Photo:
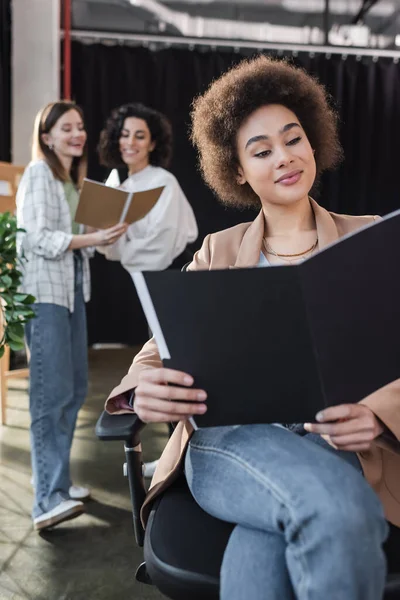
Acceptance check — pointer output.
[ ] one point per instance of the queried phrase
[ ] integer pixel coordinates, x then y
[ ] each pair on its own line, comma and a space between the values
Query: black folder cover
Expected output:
278, 344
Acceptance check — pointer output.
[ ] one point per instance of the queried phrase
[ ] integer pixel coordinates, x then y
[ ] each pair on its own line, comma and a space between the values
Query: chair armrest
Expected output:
127, 428
118, 427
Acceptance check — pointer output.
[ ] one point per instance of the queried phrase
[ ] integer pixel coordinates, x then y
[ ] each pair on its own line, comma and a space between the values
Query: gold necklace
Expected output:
271, 251
288, 257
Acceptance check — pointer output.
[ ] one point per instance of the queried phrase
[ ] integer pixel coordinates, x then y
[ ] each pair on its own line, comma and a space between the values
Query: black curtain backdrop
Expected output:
5, 80
367, 94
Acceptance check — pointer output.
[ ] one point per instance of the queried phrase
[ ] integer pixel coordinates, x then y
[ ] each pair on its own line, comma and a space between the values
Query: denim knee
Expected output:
356, 515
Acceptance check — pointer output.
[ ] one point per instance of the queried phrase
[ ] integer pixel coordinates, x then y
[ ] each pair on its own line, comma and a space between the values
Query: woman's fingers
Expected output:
113, 240
341, 427
112, 234
117, 229
171, 392
165, 376
146, 408
339, 411
347, 424
351, 439
156, 400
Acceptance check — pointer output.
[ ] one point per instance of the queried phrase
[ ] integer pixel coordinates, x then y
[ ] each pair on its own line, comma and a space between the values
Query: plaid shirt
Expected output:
43, 211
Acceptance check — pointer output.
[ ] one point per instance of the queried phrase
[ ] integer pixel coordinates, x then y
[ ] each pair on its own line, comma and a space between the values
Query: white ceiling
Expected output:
381, 8
296, 21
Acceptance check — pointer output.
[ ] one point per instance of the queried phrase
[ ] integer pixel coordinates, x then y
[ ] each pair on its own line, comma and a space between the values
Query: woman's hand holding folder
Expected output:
97, 237
351, 427
106, 237
158, 401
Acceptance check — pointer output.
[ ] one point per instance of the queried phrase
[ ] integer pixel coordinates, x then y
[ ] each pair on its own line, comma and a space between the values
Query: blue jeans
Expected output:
309, 526
57, 341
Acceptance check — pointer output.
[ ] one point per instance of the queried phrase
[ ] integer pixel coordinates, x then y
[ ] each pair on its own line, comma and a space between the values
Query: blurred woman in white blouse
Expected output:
140, 138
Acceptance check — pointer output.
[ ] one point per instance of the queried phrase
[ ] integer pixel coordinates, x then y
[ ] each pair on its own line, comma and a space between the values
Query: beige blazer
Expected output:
240, 246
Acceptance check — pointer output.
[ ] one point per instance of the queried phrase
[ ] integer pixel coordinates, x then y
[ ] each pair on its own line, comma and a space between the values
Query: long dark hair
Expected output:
44, 122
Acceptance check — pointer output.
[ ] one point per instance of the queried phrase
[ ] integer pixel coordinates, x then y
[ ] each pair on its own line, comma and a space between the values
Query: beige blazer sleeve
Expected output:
385, 404
148, 357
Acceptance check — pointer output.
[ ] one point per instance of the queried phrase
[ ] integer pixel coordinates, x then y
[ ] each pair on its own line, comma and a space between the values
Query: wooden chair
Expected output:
5, 376
10, 176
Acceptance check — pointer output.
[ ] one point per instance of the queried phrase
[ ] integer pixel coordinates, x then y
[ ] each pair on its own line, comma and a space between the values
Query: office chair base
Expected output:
142, 575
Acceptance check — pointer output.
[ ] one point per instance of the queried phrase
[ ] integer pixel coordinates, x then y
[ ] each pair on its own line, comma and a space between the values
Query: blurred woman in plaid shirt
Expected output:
56, 272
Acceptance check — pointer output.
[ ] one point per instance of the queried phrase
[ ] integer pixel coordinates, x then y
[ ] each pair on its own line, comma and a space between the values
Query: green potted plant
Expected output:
16, 308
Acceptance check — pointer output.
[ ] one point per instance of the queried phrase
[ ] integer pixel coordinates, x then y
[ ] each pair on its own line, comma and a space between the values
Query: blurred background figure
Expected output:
56, 272
137, 141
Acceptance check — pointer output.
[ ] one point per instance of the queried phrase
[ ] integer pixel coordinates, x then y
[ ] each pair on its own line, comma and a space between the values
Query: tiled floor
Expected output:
94, 556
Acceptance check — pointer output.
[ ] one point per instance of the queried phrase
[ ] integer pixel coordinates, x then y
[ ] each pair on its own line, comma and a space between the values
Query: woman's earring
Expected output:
50, 146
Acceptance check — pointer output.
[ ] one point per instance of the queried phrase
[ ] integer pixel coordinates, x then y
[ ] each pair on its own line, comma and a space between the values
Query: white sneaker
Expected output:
149, 468
76, 492
67, 509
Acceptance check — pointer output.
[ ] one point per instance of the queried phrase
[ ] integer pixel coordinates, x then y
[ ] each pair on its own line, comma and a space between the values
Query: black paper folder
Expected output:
278, 344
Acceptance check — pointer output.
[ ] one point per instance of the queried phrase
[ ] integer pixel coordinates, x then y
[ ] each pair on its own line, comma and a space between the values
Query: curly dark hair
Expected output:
219, 112
160, 130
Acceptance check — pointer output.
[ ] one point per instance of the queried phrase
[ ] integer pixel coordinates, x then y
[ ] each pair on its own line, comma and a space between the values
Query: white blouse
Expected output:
152, 243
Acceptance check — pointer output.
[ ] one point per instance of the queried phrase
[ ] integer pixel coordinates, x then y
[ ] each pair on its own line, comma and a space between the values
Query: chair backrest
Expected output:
392, 550
10, 176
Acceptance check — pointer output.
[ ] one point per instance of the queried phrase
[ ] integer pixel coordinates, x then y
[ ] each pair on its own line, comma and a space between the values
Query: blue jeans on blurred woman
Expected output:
57, 341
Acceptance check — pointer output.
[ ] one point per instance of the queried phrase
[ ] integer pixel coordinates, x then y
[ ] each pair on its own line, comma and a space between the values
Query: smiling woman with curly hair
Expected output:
139, 139
160, 132
219, 113
308, 524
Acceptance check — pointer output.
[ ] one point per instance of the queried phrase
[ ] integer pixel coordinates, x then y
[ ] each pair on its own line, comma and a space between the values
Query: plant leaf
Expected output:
16, 345
15, 331
15, 306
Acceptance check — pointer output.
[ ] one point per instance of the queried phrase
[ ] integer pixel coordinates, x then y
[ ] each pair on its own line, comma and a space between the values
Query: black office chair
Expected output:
179, 568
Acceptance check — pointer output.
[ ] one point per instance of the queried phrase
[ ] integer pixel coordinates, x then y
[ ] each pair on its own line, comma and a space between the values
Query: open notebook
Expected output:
281, 343
101, 206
